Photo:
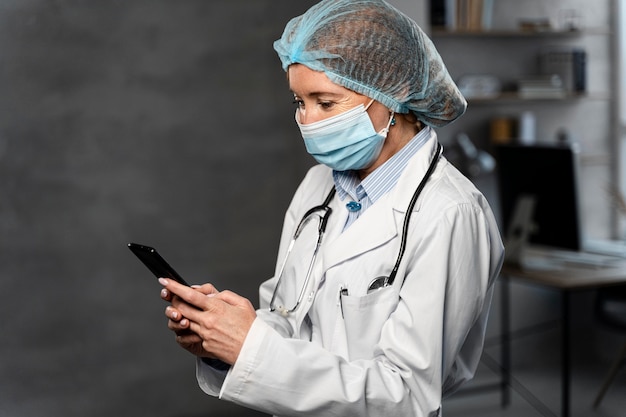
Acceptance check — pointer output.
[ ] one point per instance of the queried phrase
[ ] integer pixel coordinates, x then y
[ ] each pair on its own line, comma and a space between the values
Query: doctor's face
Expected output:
318, 98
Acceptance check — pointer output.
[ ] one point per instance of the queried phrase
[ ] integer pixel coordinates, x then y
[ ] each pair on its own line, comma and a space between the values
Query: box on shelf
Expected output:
461, 15
569, 63
541, 86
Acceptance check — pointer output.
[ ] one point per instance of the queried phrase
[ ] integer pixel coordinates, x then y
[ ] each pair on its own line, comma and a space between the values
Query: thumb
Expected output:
206, 289
234, 299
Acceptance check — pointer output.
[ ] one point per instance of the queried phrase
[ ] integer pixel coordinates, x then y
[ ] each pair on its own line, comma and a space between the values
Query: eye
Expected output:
326, 105
299, 103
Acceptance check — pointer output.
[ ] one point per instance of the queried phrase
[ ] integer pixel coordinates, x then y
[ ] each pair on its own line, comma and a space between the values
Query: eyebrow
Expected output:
320, 93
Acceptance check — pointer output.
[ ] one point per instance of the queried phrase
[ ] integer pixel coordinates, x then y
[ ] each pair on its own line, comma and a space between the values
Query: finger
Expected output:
185, 311
181, 326
234, 299
188, 294
173, 314
188, 338
166, 295
206, 289
178, 326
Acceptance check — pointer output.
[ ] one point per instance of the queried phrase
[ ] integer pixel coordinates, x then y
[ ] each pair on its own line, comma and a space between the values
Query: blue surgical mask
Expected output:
347, 141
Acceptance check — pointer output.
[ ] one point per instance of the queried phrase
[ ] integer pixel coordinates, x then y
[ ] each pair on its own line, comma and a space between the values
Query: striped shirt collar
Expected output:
383, 178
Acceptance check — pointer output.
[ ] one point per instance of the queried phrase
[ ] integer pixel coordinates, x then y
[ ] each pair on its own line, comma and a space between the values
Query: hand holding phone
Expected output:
155, 262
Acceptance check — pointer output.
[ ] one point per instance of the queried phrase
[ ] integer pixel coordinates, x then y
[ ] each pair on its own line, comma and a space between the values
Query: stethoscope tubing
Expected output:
409, 211
379, 282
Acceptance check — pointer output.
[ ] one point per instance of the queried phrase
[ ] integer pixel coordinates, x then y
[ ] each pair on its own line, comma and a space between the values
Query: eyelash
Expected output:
326, 105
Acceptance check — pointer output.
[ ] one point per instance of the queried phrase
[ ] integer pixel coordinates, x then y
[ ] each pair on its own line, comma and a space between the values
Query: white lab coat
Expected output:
396, 351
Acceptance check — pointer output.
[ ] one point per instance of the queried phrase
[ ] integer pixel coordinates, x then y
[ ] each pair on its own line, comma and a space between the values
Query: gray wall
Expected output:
163, 122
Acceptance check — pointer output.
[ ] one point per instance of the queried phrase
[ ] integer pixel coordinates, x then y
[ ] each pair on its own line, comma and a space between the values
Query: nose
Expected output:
311, 116
301, 116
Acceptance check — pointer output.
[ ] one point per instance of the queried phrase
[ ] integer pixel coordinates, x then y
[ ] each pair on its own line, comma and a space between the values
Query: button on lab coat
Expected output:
396, 351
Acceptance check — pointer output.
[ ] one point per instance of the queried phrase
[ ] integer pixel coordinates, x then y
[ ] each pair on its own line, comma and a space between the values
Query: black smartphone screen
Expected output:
155, 262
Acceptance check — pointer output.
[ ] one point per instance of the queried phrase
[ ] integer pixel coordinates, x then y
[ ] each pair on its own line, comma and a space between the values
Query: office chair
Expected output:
610, 309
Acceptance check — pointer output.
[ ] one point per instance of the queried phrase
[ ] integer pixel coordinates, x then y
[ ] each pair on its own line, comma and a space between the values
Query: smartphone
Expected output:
155, 262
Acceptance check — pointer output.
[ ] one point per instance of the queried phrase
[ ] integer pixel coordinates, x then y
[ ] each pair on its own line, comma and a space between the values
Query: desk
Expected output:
566, 279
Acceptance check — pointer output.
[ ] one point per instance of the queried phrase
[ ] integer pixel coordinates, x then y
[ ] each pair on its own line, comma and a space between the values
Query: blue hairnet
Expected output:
371, 48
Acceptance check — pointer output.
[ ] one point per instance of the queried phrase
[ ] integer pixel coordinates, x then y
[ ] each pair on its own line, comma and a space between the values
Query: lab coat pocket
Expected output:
364, 317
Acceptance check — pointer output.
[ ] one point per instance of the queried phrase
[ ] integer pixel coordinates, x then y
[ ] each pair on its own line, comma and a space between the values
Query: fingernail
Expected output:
174, 315
163, 281
163, 293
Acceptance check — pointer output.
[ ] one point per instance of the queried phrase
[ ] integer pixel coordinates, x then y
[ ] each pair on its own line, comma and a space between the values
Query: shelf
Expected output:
513, 97
512, 33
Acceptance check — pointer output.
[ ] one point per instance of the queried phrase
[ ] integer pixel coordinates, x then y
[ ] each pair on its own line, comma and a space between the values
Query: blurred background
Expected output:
170, 123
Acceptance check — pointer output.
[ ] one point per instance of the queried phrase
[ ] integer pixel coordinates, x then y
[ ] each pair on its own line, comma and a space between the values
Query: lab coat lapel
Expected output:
361, 236
383, 220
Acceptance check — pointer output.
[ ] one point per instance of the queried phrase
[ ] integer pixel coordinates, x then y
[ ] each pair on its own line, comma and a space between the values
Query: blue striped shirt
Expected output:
380, 181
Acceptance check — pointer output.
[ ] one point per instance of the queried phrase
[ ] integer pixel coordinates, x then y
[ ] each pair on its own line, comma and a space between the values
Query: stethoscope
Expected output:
323, 212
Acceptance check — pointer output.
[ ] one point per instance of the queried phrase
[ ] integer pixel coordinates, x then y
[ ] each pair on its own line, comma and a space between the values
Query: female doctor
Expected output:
388, 254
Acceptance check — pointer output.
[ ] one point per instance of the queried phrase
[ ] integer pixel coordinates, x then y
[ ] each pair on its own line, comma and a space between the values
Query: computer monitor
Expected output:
548, 174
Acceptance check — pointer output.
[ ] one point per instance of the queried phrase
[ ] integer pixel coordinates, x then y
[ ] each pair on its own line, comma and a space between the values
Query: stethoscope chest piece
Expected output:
377, 284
